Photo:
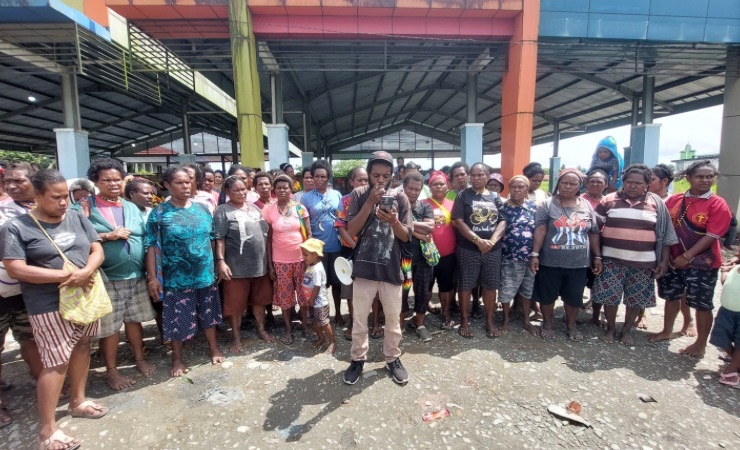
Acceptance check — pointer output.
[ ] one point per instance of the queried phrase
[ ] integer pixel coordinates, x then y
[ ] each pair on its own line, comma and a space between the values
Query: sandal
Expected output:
447, 325
58, 436
731, 379
81, 410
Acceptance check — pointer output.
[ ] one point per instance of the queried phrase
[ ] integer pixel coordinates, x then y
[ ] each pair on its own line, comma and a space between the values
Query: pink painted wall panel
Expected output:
340, 27
374, 27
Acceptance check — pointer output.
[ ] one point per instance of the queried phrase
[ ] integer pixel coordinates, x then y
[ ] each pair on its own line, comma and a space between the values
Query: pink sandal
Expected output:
731, 379
59, 436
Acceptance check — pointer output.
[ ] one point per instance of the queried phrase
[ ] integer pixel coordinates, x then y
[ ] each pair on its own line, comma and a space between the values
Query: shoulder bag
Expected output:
80, 305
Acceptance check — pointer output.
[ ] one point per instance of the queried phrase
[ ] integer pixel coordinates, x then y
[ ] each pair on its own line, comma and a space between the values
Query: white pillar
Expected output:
277, 143
471, 143
73, 152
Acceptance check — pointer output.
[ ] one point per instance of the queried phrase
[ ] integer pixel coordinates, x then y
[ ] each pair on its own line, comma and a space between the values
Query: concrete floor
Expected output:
496, 390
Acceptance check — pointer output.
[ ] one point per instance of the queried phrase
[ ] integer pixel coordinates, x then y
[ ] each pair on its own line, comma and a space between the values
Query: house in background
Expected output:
688, 156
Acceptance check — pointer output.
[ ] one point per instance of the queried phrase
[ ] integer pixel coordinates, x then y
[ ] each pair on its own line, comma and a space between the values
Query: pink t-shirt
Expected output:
286, 232
444, 232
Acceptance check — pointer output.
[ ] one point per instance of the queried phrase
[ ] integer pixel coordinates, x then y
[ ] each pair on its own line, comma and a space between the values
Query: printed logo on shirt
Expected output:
700, 218
64, 239
484, 214
571, 234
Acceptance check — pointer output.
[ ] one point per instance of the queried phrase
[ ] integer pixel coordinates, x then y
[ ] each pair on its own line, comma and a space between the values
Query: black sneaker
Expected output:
400, 376
353, 372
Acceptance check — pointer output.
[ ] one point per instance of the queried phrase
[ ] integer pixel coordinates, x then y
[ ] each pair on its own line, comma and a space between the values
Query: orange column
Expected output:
517, 105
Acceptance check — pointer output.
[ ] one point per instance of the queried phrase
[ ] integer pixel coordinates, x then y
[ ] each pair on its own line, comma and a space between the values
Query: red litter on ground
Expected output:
428, 417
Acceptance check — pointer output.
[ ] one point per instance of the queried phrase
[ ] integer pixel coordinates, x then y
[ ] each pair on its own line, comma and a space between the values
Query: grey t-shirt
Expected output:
74, 235
378, 256
244, 232
566, 244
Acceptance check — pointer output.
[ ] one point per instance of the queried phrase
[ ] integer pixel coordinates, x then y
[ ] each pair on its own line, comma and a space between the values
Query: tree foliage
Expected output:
342, 167
42, 161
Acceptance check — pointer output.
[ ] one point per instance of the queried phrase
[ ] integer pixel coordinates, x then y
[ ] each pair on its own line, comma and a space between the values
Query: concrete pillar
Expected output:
307, 125
555, 159
645, 138
246, 84
645, 144
729, 156
73, 148
73, 152
277, 144
306, 159
471, 143
518, 88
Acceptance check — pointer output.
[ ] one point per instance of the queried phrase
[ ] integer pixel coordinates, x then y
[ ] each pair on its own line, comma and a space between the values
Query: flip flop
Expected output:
447, 325
81, 410
731, 379
58, 436
468, 336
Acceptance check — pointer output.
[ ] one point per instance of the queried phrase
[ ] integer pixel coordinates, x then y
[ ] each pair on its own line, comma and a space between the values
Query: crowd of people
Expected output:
236, 246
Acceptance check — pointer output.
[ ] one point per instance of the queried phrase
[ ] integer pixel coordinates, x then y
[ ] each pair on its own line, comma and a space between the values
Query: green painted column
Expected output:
246, 84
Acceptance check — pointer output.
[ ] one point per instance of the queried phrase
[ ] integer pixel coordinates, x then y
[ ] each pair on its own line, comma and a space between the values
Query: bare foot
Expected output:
217, 356
236, 347
627, 339
504, 328
145, 367
532, 329
595, 321
688, 329
662, 336
608, 336
547, 334
695, 350
331, 349
641, 323
318, 342
116, 381
178, 369
265, 336
492, 332
339, 320
348, 334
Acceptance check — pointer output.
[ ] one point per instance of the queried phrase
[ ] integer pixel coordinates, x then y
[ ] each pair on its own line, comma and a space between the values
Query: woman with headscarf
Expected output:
566, 244
607, 158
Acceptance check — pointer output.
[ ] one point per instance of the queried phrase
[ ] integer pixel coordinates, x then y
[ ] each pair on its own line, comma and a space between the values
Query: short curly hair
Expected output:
97, 165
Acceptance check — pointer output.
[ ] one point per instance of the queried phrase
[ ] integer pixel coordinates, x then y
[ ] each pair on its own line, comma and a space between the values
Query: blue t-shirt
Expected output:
322, 212
186, 234
519, 230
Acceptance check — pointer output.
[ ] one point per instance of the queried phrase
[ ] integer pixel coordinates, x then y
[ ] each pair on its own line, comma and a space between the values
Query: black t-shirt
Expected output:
480, 212
420, 211
378, 255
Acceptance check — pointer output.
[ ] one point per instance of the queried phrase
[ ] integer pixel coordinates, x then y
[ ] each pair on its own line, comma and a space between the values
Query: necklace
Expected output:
110, 200
684, 209
285, 212
594, 198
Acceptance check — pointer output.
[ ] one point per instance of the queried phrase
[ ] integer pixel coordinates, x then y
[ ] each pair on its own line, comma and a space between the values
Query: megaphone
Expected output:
343, 269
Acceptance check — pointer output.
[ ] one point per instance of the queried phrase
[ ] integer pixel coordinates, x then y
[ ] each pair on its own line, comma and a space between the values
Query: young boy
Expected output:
726, 330
314, 288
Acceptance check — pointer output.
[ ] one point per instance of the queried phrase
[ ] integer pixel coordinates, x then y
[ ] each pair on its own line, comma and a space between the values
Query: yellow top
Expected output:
730, 298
